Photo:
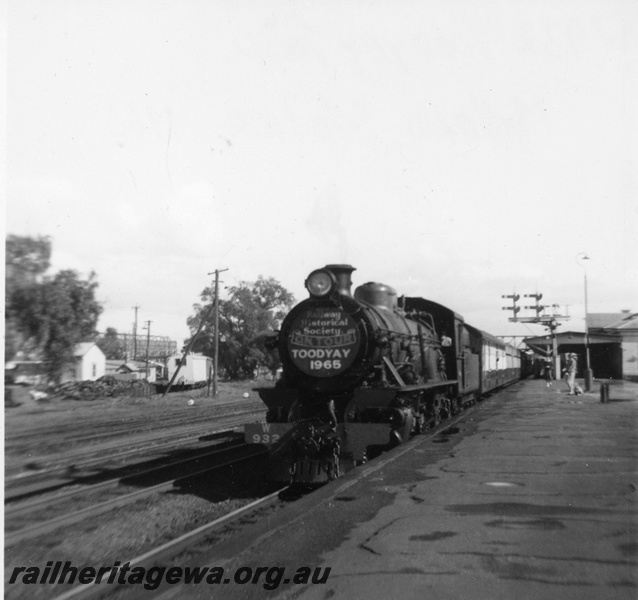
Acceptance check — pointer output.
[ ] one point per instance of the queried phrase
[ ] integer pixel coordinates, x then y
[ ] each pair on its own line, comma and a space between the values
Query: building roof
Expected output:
569, 338
606, 320
629, 322
83, 348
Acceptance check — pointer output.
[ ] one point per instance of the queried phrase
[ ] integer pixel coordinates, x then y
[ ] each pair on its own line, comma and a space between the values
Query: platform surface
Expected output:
532, 496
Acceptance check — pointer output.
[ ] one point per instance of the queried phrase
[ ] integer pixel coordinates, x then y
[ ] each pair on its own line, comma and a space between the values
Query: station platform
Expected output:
533, 495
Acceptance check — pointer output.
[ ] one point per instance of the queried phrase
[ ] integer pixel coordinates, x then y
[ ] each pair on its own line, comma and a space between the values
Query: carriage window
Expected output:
465, 338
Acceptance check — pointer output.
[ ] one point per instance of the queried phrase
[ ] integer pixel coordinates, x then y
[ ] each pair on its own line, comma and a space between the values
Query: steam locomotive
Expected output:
363, 372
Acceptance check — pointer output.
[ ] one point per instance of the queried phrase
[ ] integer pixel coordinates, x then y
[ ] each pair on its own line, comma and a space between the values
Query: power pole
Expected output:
135, 334
202, 322
589, 374
148, 341
216, 338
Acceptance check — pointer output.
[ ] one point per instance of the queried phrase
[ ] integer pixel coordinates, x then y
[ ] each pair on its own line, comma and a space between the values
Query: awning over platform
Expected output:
605, 351
571, 338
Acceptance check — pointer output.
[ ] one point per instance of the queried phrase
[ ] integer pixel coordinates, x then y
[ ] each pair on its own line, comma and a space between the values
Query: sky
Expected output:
455, 150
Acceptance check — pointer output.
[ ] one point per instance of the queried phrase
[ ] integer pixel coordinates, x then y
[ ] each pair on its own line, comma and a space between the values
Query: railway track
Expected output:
174, 547
72, 462
43, 453
16, 508
107, 430
253, 522
67, 471
224, 535
158, 414
227, 455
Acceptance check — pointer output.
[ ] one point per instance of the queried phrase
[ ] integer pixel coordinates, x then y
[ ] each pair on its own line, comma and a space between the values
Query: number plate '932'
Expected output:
266, 433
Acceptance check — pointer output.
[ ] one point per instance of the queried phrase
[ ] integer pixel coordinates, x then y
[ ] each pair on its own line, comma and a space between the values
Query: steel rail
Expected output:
183, 437
136, 439
21, 535
134, 423
106, 431
173, 547
33, 505
35, 489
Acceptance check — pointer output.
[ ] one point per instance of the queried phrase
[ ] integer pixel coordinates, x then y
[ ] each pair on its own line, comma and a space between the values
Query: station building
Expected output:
613, 345
624, 326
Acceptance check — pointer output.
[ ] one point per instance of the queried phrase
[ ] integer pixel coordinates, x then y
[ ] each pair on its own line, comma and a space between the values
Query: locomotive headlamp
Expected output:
321, 283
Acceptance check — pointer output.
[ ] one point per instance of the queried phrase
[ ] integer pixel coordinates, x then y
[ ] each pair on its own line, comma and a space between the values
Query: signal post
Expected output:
551, 322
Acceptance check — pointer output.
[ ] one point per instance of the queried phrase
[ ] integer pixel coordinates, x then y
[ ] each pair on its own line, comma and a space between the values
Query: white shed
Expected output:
195, 370
89, 364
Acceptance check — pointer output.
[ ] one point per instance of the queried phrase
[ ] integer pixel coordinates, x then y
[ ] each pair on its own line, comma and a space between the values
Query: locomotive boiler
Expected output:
362, 373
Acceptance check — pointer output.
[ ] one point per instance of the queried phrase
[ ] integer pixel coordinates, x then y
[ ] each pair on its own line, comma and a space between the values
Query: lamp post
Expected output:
589, 375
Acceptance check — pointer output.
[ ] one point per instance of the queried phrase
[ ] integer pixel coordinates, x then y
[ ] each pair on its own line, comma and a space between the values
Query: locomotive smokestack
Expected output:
344, 282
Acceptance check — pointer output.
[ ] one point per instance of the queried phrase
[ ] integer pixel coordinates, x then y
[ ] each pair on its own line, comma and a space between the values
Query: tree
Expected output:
253, 311
111, 345
50, 315
26, 261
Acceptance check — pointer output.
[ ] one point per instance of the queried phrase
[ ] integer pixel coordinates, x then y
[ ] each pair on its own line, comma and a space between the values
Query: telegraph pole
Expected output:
589, 374
216, 338
148, 341
135, 334
202, 322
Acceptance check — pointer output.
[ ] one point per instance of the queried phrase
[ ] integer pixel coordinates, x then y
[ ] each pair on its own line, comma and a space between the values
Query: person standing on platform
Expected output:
570, 375
547, 371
